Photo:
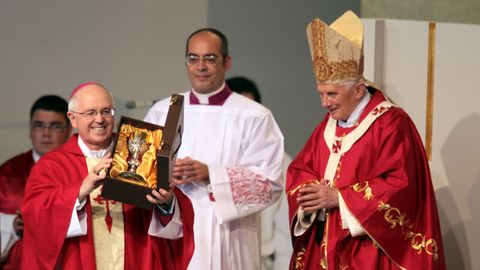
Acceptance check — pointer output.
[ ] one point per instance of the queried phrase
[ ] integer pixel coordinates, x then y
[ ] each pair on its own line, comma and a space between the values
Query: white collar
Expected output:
94, 153
203, 98
355, 115
36, 156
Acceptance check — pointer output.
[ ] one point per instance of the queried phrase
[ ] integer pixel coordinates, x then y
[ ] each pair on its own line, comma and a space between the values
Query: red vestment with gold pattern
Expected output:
51, 192
384, 178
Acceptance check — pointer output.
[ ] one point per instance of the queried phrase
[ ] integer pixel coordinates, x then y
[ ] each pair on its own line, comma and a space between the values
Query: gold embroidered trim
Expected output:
291, 192
342, 265
337, 175
323, 249
364, 187
322, 68
417, 240
430, 89
299, 259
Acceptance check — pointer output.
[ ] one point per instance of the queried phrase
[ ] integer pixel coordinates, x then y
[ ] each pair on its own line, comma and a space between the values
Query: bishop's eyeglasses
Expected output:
91, 114
209, 59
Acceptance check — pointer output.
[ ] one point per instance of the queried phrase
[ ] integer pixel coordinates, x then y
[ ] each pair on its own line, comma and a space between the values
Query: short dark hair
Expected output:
52, 103
243, 85
220, 35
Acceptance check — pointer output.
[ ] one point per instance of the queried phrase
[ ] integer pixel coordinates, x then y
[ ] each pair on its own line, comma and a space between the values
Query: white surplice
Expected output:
243, 148
276, 243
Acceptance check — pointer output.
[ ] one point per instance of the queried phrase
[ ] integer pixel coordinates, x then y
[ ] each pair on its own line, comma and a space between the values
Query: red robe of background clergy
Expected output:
50, 196
385, 182
13, 175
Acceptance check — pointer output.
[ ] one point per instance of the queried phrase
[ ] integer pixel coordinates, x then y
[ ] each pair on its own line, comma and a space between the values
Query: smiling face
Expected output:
96, 130
340, 100
48, 130
206, 77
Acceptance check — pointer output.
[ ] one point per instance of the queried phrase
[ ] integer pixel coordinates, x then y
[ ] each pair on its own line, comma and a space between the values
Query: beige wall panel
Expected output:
369, 46
456, 119
456, 151
405, 67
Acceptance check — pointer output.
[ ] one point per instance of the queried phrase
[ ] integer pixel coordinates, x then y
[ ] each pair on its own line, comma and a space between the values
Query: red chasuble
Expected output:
13, 175
50, 196
384, 179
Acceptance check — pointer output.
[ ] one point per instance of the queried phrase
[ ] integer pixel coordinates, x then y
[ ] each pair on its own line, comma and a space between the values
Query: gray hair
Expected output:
350, 84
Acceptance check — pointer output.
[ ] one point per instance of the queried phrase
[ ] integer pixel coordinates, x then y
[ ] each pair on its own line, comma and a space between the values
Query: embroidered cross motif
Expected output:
108, 219
328, 182
337, 146
379, 110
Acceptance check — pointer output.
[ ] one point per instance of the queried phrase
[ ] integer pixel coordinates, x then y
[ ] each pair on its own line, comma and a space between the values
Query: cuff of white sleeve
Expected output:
348, 219
8, 235
78, 221
172, 230
303, 222
80, 205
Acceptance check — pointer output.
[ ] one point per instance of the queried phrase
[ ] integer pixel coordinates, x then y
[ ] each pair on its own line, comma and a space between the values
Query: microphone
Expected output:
137, 104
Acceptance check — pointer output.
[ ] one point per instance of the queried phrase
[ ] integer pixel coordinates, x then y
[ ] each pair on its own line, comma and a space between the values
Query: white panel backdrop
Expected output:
455, 163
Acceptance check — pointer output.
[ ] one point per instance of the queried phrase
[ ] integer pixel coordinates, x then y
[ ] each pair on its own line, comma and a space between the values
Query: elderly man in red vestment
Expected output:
49, 129
68, 225
360, 192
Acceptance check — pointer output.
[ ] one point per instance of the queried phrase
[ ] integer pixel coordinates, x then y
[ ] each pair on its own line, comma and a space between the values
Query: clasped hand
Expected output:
316, 196
186, 170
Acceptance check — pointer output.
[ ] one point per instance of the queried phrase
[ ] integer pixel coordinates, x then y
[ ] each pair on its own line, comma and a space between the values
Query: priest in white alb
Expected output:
229, 165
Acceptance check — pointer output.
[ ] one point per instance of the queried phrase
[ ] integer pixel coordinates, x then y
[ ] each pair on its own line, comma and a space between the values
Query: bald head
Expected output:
90, 110
87, 91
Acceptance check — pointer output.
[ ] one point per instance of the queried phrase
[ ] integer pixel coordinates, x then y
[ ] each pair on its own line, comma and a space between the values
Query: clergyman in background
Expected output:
49, 128
276, 244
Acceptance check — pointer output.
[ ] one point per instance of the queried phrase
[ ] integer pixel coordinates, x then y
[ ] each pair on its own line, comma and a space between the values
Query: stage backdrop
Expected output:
136, 48
431, 70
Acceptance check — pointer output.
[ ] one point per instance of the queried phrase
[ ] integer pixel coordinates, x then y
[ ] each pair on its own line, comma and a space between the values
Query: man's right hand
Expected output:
95, 177
161, 196
316, 196
18, 224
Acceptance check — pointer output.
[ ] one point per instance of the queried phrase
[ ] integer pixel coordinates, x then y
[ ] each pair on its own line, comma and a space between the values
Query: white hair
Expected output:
349, 85
72, 103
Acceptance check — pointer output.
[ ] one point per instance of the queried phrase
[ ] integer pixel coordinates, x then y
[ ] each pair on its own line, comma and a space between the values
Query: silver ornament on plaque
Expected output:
137, 146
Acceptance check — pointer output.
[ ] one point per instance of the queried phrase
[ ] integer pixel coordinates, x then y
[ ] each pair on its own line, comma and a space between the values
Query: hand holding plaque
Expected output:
144, 157
136, 147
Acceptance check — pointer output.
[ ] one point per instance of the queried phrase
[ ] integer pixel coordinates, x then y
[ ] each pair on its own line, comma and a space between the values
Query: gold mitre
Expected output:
337, 50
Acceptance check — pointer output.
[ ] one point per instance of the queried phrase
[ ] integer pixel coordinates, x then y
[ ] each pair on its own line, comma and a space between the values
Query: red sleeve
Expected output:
392, 194
176, 254
306, 167
13, 175
187, 243
51, 191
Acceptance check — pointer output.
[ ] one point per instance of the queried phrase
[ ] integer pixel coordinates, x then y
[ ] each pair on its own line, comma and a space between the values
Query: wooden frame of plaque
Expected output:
144, 156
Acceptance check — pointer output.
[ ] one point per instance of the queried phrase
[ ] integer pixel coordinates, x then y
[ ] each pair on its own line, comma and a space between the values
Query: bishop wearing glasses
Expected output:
68, 225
